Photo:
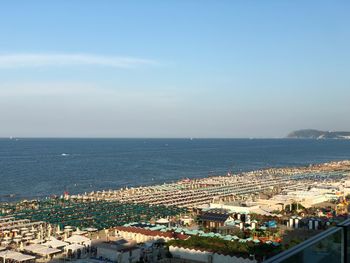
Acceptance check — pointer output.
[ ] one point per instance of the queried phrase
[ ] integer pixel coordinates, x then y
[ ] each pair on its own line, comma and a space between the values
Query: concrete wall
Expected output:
139, 238
135, 256
217, 258
107, 253
205, 256
184, 253
121, 257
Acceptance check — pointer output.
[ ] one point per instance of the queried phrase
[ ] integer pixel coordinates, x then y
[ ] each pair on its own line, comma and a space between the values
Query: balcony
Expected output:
330, 246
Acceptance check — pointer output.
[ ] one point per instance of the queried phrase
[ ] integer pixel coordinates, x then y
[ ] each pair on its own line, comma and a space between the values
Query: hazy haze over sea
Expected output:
31, 168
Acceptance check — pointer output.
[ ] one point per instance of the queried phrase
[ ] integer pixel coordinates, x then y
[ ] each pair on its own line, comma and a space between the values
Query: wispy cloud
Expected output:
51, 59
47, 89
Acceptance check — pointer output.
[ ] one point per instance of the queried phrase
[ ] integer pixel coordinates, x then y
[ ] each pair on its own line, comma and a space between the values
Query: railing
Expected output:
330, 246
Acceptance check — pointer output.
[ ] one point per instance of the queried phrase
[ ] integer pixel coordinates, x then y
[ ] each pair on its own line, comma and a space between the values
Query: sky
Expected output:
184, 68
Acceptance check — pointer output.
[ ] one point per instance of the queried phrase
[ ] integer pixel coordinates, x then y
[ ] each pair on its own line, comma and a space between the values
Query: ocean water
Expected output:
35, 168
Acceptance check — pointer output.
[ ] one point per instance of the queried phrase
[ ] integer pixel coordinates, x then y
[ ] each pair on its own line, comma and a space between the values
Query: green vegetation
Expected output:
221, 246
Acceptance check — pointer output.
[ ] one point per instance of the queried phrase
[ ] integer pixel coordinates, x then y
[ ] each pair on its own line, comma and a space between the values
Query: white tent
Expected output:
162, 221
37, 241
76, 239
15, 256
55, 243
91, 229
41, 250
79, 232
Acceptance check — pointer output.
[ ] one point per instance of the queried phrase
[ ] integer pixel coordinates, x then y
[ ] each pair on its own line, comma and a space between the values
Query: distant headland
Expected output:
316, 134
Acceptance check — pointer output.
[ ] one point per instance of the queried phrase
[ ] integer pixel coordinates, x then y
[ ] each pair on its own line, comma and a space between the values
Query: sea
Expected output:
38, 168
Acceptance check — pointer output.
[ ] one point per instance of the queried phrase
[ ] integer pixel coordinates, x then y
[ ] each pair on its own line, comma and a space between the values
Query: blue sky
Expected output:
173, 68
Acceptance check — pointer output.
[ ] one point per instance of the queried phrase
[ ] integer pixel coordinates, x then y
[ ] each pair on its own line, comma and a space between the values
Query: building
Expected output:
214, 218
142, 235
116, 252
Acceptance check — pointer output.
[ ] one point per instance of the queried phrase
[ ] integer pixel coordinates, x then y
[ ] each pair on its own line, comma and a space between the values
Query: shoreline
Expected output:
269, 171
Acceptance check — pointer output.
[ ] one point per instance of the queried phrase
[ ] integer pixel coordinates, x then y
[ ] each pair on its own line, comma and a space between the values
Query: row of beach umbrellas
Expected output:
98, 214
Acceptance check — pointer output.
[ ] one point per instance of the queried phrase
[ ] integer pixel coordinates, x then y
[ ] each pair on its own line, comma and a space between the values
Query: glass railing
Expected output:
330, 246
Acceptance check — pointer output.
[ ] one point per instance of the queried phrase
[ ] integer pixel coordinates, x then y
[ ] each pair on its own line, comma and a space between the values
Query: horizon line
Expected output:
122, 137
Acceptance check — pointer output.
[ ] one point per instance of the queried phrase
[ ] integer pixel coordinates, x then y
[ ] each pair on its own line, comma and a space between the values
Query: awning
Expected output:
41, 250
76, 239
16, 256
55, 243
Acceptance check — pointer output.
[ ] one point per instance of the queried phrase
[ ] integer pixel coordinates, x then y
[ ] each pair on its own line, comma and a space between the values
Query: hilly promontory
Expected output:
316, 134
